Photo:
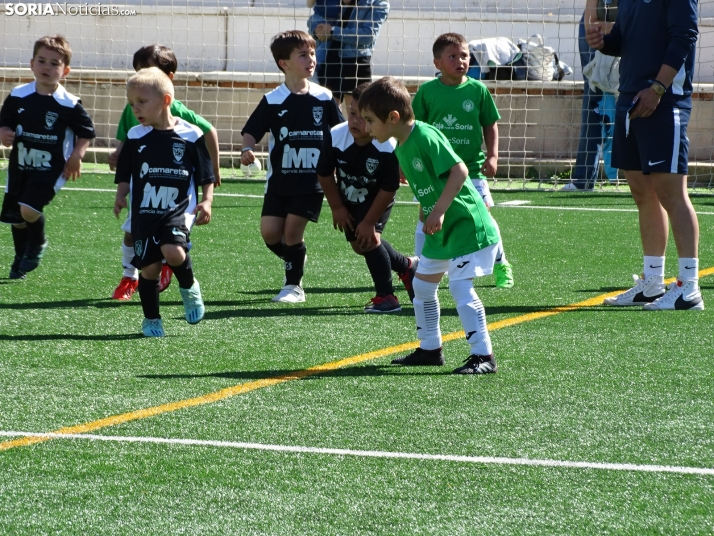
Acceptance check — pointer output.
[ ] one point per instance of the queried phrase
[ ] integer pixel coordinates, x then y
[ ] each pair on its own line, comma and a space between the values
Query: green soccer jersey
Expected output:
460, 113
426, 159
178, 109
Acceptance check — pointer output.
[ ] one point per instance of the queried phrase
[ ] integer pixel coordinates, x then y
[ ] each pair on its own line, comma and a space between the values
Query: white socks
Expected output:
472, 316
127, 254
426, 310
654, 266
688, 269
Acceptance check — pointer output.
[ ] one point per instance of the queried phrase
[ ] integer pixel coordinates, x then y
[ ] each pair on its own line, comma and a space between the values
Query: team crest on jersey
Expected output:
138, 248
179, 149
416, 163
50, 118
371, 165
317, 114
468, 105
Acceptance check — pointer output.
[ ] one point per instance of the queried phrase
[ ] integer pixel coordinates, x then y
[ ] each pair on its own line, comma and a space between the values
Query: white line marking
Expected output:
513, 203
378, 454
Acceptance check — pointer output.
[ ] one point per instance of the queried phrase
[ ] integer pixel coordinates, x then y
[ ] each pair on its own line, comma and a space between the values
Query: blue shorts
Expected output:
654, 144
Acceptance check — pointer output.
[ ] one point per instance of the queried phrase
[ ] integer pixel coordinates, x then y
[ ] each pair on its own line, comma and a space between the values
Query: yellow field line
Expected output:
312, 371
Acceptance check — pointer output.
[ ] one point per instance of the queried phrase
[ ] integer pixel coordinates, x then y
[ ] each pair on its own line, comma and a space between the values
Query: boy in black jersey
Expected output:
367, 177
297, 114
162, 162
49, 132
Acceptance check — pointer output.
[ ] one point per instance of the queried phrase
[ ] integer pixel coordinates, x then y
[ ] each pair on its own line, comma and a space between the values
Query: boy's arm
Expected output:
7, 136
212, 146
120, 199
341, 217
246, 156
74, 163
114, 157
490, 138
203, 209
365, 232
457, 177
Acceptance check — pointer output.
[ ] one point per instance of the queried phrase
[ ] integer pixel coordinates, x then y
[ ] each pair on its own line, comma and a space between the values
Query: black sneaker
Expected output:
408, 277
478, 364
32, 257
383, 304
421, 358
15, 272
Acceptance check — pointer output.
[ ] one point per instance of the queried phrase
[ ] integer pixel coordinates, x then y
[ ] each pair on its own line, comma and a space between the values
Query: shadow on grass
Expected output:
346, 372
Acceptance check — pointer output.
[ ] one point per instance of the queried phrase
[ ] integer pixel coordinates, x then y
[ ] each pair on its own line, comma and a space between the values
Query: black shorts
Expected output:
306, 206
147, 247
31, 193
359, 212
342, 76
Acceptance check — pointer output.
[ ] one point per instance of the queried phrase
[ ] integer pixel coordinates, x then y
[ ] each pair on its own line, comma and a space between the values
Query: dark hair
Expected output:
446, 40
56, 43
357, 92
283, 44
387, 95
155, 56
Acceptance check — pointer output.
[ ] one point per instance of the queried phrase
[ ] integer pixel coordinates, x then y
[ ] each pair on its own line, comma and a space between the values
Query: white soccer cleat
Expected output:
153, 327
645, 291
680, 296
290, 294
193, 303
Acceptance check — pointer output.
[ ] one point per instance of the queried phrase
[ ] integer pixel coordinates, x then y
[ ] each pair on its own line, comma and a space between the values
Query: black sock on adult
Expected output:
399, 262
380, 269
149, 295
294, 263
36, 231
184, 272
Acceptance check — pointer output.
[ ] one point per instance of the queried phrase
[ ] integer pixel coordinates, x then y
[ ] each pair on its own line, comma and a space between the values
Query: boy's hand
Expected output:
247, 157
490, 166
433, 223
114, 159
342, 219
203, 212
595, 38
72, 167
7, 137
217, 175
366, 235
119, 203
402, 177
323, 31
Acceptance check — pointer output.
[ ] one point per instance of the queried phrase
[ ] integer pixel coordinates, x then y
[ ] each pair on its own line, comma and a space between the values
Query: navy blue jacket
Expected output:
648, 34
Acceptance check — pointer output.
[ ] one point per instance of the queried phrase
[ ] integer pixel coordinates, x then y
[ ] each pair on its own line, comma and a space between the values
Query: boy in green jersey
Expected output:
464, 111
461, 237
165, 59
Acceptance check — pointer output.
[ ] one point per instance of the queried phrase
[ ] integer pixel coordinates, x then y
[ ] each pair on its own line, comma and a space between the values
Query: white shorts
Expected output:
476, 264
126, 227
484, 191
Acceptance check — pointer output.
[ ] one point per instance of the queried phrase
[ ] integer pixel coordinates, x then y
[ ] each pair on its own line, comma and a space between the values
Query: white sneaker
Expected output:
570, 187
680, 296
645, 291
290, 294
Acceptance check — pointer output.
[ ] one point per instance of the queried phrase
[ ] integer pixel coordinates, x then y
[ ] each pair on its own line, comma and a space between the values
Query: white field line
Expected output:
378, 454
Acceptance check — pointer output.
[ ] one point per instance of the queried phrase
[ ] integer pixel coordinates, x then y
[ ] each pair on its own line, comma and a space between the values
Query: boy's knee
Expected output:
462, 290
174, 255
424, 290
29, 215
128, 240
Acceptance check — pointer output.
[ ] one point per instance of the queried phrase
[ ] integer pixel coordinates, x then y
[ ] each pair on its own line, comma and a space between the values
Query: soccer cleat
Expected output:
165, 279
153, 327
503, 274
126, 288
383, 304
290, 294
32, 257
408, 277
15, 272
478, 364
421, 358
193, 303
680, 296
645, 291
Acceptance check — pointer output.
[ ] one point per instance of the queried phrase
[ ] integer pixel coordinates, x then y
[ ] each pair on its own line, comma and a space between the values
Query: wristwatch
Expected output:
658, 88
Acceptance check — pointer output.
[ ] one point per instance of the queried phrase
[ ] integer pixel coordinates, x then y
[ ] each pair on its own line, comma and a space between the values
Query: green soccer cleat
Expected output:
503, 274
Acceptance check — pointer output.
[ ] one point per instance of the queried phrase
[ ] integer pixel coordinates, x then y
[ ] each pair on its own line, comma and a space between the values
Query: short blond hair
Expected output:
152, 78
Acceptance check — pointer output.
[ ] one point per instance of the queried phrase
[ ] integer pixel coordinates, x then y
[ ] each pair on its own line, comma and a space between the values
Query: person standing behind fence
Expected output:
656, 41
595, 127
348, 62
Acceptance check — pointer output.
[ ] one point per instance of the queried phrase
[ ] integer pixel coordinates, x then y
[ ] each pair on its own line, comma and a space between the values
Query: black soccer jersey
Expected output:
45, 128
361, 170
164, 169
297, 125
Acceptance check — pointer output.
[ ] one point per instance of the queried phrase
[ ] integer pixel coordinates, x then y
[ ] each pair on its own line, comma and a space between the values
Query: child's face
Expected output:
48, 67
301, 63
355, 122
147, 105
379, 130
453, 62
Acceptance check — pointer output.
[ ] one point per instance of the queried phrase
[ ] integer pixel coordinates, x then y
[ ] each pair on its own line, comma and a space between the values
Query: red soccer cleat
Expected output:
126, 288
165, 279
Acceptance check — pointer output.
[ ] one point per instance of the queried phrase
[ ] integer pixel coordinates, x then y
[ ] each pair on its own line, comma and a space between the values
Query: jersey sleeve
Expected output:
419, 106
203, 172
8, 115
326, 164
82, 124
259, 121
180, 110
489, 113
123, 172
126, 122
389, 179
